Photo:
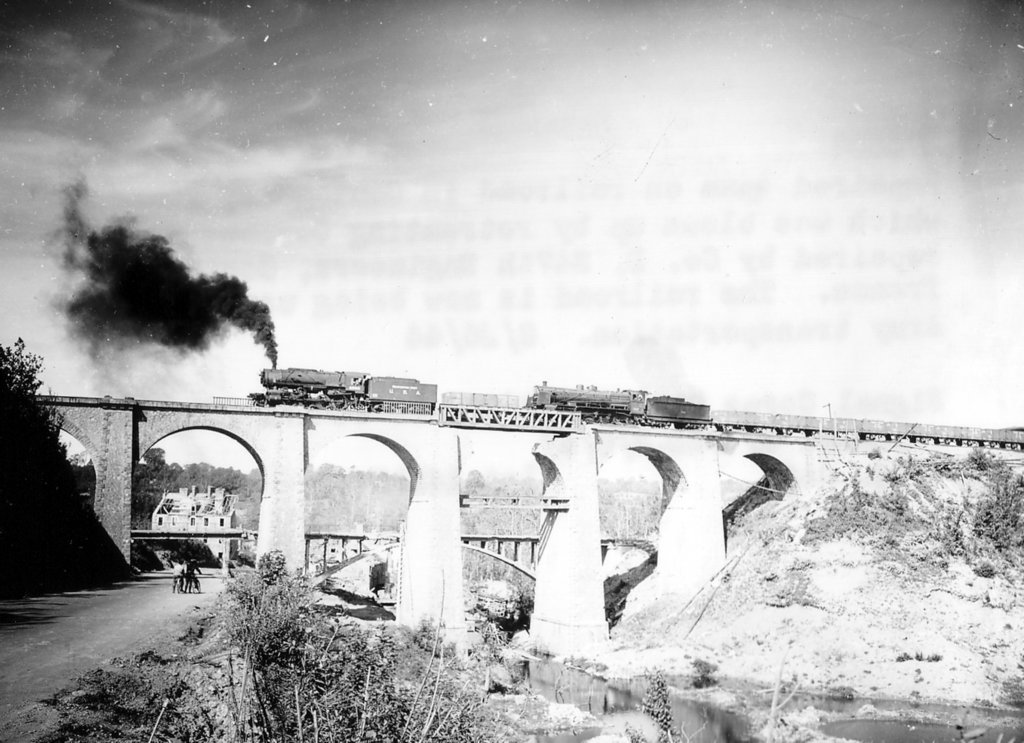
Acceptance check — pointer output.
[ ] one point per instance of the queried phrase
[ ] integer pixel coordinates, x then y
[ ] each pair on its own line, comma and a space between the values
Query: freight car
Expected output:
333, 390
637, 407
864, 429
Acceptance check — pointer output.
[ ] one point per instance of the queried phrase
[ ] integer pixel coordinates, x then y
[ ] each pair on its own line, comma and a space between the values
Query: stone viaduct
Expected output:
569, 598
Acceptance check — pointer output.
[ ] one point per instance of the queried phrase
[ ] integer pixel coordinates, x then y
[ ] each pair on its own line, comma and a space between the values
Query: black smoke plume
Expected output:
134, 288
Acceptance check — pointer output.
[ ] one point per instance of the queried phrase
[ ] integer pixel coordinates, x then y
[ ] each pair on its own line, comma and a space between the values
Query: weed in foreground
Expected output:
301, 676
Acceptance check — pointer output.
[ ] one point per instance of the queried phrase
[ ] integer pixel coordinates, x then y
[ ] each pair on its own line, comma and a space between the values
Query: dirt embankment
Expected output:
901, 579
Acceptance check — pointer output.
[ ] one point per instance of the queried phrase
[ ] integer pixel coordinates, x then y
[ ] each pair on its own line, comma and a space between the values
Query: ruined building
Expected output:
192, 511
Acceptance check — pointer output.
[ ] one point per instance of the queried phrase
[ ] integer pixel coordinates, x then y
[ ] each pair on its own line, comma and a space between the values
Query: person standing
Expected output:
191, 581
177, 577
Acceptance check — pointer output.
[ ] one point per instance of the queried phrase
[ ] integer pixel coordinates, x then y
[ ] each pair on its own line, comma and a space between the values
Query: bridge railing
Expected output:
509, 419
244, 402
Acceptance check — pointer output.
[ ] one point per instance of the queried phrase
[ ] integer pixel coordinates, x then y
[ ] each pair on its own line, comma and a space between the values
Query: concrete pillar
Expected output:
568, 613
113, 430
430, 561
691, 545
282, 510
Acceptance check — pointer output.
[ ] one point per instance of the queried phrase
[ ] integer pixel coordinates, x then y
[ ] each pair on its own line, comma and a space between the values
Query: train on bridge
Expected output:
550, 408
360, 391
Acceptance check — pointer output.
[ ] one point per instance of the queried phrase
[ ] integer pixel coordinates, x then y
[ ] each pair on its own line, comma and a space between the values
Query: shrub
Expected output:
1013, 692
855, 510
902, 657
272, 567
268, 622
1000, 515
980, 460
656, 705
703, 674
985, 569
949, 533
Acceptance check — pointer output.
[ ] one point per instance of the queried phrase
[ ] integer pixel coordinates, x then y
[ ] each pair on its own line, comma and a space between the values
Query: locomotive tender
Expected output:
637, 407
345, 391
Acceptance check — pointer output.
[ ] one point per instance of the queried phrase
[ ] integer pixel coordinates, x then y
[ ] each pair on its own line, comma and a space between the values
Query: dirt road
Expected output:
47, 641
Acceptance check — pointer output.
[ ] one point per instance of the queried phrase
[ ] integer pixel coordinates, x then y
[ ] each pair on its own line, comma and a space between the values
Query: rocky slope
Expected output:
901, 579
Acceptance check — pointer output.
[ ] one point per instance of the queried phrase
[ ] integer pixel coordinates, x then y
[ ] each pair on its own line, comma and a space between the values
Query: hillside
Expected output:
899, 579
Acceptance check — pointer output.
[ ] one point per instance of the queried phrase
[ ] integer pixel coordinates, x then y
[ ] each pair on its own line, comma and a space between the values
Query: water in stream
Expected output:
617, 703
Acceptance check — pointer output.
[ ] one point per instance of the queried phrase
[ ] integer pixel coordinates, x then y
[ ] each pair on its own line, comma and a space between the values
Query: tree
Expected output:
47, 539
151, 479
33, 460
85, 474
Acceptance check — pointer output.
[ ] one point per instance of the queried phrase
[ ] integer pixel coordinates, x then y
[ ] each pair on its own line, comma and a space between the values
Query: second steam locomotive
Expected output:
338, 390
638, 407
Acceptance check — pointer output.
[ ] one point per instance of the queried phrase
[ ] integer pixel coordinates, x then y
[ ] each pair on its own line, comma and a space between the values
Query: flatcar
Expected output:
637, 407
338, 390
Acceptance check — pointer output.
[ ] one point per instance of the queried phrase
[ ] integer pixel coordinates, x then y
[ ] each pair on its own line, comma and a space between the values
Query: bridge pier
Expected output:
568, 613
282, 510
430, 561
109, 433
691, 543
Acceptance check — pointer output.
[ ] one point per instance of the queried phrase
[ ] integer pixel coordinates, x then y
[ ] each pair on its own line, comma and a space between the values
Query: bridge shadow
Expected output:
48, 607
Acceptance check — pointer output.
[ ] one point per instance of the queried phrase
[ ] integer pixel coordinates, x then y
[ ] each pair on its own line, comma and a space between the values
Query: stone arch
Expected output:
777, 481
667, 468
780, 477
406, 457
71, 427
155, 439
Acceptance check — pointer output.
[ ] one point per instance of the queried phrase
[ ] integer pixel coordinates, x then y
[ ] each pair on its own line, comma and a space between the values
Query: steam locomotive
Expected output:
345, 391
637, 407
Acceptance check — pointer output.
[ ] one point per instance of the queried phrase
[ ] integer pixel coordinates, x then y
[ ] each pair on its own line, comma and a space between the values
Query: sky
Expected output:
783, 206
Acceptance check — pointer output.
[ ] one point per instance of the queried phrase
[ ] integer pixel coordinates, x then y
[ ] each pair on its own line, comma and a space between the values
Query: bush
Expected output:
985, 569
272, 567
703, 674
657, 706
855, 510
1000, 515
268, 622
980, 460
